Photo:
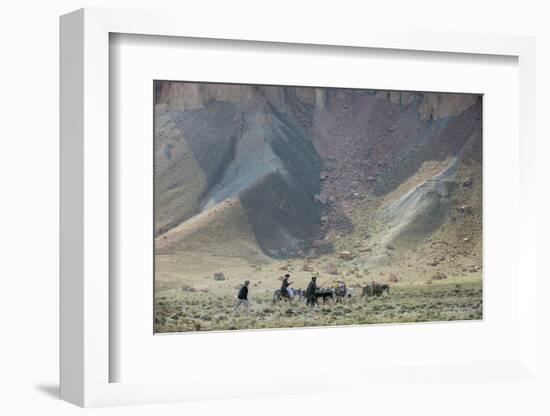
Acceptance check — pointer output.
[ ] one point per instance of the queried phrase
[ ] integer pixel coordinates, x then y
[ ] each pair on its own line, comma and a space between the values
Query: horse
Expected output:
324, 294
296, 293
299, 293
340, 293
375, 289
278, 295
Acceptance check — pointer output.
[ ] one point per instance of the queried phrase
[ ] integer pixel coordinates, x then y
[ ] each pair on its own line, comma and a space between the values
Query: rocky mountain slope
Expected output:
268, 173
214, 146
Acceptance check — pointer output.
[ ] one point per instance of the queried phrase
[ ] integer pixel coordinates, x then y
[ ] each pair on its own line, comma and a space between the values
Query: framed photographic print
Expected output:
274, 199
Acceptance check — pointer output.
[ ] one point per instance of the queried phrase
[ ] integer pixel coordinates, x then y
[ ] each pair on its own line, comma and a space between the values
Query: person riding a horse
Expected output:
285, 287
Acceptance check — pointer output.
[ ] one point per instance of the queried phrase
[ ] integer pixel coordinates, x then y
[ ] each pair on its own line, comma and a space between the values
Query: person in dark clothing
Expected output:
310, 291
285, 285
242, 296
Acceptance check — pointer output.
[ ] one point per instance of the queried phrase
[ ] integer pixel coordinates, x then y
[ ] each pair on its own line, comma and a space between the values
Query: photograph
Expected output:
279, 206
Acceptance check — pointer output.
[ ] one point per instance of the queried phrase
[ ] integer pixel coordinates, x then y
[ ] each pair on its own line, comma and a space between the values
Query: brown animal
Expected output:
375, 289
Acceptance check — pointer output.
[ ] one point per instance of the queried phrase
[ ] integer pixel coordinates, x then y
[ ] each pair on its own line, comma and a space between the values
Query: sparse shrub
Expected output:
219, 276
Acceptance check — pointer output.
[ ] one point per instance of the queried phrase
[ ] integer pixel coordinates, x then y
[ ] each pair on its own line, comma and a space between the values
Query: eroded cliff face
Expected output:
192, 96
299, 167
243, 143
433, 106
398, 97
181, 96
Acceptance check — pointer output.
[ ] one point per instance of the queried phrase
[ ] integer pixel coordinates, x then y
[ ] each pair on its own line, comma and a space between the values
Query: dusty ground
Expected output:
454, 299
198, 302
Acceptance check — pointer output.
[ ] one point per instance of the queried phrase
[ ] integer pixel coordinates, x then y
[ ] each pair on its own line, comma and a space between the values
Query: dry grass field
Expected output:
181, 310
188, 298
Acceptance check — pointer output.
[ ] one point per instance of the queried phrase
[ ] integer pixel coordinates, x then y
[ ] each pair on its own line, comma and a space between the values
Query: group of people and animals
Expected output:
314, 293
311, 294
338, 292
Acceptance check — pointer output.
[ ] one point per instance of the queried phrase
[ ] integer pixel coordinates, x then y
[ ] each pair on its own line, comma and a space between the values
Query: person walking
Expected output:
310, 292
242, 296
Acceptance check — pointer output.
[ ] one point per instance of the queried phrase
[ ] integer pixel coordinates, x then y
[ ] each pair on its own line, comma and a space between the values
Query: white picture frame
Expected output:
85, 211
